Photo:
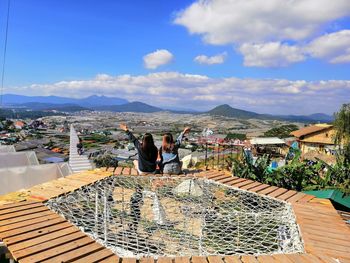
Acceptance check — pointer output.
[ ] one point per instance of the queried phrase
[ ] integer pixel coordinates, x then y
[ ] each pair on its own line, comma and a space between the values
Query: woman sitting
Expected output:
146, 150
169, 156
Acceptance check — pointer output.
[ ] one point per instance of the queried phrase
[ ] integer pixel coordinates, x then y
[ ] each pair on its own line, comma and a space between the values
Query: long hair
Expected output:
148, 147
168, 143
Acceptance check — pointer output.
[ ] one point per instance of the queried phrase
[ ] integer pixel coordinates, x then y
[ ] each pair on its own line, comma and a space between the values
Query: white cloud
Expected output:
239, 21
173, 89
260, 29
272, 54
217, 59
334, 47
157, 58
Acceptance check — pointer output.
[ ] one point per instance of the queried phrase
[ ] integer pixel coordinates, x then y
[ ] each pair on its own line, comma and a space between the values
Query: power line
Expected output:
5, 49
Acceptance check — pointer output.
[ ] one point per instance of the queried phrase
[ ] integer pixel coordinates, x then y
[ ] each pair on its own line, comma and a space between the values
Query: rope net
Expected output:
137, 216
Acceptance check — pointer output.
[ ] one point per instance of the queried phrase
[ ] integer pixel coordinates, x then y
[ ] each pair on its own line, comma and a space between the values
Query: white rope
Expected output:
138, 216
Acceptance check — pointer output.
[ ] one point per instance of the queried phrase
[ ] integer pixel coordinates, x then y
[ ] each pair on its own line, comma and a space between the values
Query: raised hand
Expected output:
187, 130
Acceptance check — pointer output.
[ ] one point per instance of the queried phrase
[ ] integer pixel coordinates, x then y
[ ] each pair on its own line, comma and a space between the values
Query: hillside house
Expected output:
319, 138
268, 145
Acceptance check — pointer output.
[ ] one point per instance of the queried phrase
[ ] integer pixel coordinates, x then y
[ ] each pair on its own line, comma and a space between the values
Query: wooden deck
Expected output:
33, 233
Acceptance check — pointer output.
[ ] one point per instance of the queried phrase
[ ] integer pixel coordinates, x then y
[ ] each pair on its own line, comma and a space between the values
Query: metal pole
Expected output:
218, 155
213, 150
96, 213
105, 215
206, 156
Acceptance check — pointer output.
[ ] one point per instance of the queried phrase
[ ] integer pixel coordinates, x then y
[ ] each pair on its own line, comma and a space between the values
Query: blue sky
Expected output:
265, 56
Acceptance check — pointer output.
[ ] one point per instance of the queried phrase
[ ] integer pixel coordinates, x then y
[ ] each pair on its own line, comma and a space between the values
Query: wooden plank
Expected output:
182, 260
259, 188
318, 259
295, 198
80, 180
307, 208
249, 186
29, 222
25, 229
42, 239
215, 259
149, 260
309, 258
208, 173
36, 233
243, 183
97, 256
325, 219
217, 176
266, 259
49, 253
282, 258
17, 205
47, 245
278, 192
237, 181
128, 260
226, 180
225, 176
46, 192
126, 171
133, 171
327, 245
295, 258
249, 259
305, 199
309, 220
326, 259
232, 259
21, 208
24, 218
76, 253
319, 231
287, 195
24, 212
198, 259
268, 190
112, 259
164, 260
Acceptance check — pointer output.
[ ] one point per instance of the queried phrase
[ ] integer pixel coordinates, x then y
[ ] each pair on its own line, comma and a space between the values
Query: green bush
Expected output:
296, 175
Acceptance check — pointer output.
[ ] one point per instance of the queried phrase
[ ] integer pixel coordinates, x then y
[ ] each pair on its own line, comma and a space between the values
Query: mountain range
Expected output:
91, 101
227, 111
114, 104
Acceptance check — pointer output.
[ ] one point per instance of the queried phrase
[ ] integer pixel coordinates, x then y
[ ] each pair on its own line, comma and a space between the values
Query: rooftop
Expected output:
310, 129
32, 232
267, 141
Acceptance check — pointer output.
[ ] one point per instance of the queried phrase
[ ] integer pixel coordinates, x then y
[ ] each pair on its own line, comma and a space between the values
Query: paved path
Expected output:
77, 162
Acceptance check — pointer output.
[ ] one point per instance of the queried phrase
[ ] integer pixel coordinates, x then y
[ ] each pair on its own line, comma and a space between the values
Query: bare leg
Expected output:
136, 164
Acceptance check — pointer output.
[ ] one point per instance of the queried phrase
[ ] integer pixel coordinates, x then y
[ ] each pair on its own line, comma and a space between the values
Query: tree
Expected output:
342, 127
239, 136
281, 131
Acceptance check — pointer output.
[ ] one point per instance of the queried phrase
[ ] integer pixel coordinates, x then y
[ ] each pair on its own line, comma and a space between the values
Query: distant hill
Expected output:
317, 117
135, 106
94, 100
115, 104
50, 106
227, 111
23, 114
